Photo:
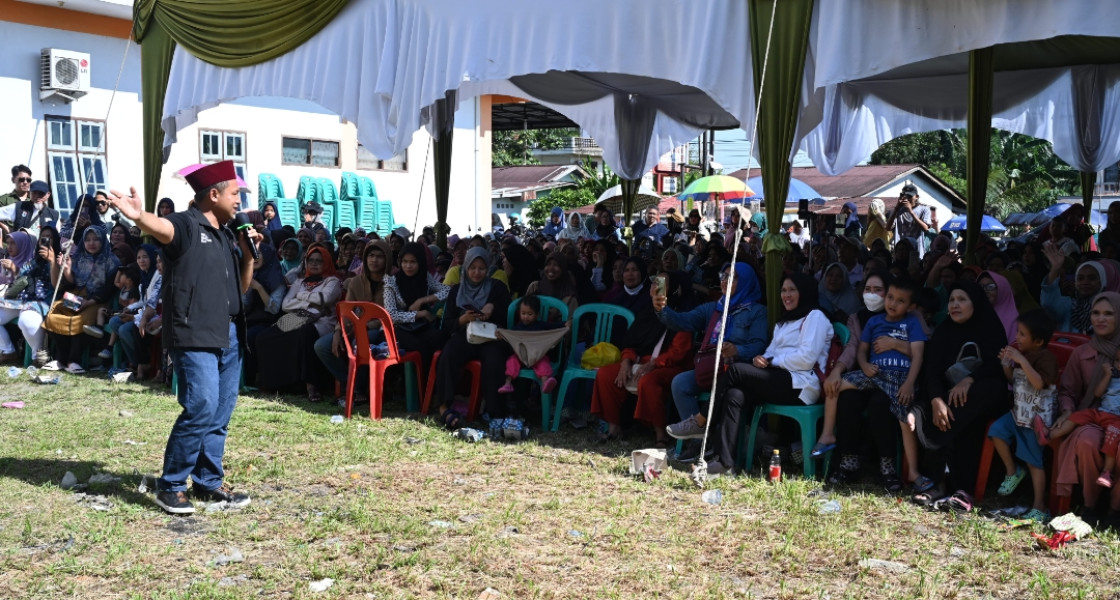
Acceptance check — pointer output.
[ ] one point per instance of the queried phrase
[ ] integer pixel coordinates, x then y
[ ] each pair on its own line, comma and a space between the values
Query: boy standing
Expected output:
1033, 372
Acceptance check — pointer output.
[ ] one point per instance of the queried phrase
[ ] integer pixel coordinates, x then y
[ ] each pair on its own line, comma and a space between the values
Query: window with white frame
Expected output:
76, 158
216, 145
303, 151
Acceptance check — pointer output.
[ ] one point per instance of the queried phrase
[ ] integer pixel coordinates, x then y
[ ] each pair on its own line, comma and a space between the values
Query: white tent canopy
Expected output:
643, 76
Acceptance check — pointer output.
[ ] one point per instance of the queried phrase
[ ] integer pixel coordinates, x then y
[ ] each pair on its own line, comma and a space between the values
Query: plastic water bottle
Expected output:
775, 467
338, 419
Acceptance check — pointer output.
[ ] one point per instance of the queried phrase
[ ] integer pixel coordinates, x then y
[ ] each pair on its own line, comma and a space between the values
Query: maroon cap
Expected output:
212, 174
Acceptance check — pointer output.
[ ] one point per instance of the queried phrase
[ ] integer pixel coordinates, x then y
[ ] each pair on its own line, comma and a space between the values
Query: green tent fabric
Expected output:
980, 84
778, 93
220, 32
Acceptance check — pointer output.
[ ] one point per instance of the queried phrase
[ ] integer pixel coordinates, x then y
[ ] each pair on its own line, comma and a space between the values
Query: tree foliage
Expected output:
1024, 173
586, 191
510, 148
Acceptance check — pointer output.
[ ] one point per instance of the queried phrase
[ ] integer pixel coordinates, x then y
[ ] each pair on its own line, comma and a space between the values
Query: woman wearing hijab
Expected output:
651, 357
837, 296
605, 229
285, 358
784, 373
410, 298
520, 267
369, 286
852, 225
747, 330
476, 298
271, 216
1091, 278
88, 275
76, 224
29, 263
290, 254
1079, 459
557, 282
877, 224
999, 293
165, 206
859, 414
128, 332
951, 419
740, 219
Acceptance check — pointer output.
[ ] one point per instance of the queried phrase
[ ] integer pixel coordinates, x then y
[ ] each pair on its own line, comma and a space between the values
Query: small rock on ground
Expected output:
883, 565
322, 585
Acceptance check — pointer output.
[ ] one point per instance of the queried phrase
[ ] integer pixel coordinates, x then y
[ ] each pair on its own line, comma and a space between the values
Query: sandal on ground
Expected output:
892, 483
923, 484
960, 501
75, 369
314, 396
925, 500
451, 419
820, 449
1012, 481
1036, 515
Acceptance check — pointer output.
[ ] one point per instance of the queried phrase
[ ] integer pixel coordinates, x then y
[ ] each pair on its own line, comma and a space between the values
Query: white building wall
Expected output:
265, 121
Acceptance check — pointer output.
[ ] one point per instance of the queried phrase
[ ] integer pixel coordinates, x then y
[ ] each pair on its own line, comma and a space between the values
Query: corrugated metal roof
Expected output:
855, 183
527, 176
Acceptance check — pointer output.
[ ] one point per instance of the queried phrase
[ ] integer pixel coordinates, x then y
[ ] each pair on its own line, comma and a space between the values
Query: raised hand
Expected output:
131, 206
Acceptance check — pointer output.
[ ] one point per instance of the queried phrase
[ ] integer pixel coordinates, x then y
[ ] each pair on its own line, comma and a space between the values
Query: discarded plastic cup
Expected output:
32, 371
14, 372
713, 497
470, 435
337, 419
829, 508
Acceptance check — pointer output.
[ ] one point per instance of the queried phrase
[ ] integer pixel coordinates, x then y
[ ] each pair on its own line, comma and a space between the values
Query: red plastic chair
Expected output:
1062, 344
358, 315
474, 368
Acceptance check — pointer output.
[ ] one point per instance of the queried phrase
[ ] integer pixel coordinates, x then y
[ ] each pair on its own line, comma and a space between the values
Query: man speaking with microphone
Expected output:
207, 269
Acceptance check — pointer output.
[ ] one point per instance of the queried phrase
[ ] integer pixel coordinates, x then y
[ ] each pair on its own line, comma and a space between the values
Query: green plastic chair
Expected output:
605, 316
308, 190
289, 211
350, 188
346, 216
365, 211
366, 187
547, 303
808, 418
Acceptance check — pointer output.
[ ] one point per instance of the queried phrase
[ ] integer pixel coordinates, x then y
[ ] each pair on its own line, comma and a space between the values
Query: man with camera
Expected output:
911, 218
31, 214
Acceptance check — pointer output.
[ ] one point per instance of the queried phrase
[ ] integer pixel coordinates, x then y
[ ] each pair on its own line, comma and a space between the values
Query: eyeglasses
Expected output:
991, 287
24, 180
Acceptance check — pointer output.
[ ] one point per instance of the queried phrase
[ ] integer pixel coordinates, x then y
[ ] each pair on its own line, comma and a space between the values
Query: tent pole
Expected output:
1088, 184
980, 84
441, 161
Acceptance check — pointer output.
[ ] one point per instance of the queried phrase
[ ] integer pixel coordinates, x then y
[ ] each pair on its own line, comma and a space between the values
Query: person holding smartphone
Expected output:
911, 219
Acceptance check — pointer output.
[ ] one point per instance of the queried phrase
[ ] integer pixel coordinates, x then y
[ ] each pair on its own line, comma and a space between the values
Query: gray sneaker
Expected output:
93, 330
687, 429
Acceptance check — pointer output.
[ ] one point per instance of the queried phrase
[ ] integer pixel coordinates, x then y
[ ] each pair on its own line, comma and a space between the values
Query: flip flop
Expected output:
925, 500
820, 449
451, 419
960, 501
923, 484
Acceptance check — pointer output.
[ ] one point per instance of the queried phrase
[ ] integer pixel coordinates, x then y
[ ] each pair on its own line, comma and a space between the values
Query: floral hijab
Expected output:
91, 271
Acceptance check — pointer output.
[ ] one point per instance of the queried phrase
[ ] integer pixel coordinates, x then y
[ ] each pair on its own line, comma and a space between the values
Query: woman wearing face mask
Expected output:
846, 415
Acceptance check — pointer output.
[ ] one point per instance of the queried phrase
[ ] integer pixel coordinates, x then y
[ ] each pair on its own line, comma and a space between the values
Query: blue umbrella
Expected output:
960, 223
797, 190
1096, 219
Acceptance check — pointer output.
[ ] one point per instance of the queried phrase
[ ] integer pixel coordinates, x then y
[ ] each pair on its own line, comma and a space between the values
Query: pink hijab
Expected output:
1004, 304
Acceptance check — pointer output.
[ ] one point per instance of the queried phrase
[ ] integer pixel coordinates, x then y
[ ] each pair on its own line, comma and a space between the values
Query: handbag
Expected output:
480, 332
291, 321
66, 321
965, 365
704, 366
16, 287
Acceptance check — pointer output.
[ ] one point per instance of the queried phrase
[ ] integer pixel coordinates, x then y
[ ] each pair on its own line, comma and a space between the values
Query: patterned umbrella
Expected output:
716, 187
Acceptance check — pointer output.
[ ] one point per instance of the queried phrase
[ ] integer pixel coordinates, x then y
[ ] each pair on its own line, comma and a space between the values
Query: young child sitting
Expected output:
1033, 373
1107, 417
893, 366
127, 280
528, 312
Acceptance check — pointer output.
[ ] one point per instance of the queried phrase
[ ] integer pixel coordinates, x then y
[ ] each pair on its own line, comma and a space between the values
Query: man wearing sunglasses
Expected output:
21, 177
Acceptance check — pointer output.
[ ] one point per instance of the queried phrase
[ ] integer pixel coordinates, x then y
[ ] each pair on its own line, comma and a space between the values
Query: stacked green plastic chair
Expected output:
269, 188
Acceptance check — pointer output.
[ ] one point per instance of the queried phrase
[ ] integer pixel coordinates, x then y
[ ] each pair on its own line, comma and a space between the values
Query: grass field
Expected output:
399, 509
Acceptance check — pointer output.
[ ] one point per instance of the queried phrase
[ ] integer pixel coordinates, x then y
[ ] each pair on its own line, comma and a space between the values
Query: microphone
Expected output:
242, 224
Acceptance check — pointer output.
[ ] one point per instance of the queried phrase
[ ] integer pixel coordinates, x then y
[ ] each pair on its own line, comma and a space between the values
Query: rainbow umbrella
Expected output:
716, 187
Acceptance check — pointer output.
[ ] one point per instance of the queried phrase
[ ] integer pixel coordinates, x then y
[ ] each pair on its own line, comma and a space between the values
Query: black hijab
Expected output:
984, 328
414, 287
647, 329
524, 268
807, 297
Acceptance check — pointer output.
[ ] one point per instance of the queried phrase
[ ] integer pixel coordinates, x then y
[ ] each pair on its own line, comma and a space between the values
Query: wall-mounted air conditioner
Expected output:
64, 74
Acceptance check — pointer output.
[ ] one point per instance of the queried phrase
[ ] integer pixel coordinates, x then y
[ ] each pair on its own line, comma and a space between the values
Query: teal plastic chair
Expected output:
269, 187
346, 216
547, 303
808, 417
366, 187
605, 317
385, 224
308, 190
350, 189
365, 211
289, 211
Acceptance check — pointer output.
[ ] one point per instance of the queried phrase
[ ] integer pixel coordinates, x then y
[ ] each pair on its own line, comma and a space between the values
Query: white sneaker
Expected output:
52, 366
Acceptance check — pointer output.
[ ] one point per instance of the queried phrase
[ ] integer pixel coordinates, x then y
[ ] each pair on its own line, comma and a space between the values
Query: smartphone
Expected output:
661, 285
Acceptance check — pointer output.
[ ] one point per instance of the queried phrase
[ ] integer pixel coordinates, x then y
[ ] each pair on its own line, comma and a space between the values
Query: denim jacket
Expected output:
747, 328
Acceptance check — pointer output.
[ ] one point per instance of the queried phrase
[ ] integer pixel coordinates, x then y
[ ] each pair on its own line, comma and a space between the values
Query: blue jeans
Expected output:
208, 385
128, 336
686, 394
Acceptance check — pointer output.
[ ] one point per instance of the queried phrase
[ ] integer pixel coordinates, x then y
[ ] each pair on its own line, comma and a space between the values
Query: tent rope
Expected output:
101, 150
700, 469
420, 194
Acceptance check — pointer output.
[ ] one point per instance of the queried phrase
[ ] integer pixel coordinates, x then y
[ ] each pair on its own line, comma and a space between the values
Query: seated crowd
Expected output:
938, 356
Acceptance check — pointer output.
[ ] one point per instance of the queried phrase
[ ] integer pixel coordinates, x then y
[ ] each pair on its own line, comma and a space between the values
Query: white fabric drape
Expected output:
380, 63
